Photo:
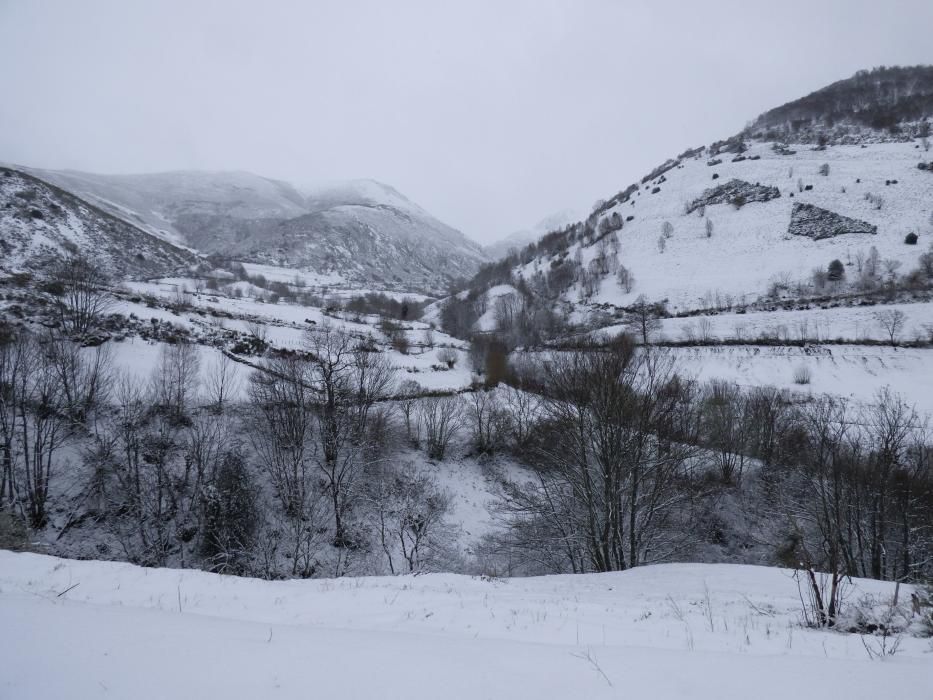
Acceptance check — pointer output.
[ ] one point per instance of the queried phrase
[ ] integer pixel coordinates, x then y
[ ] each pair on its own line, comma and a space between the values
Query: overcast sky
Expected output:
491, 115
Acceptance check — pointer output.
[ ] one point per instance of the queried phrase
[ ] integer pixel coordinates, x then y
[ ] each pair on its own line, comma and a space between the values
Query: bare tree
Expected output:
440, 418
409, 392
176, 379
84, 300
223, 382
614, 491
374, 379
625, 278
85, 375
448, 356
487, 420
724, 429
892, 322
16, 358
523, 410
339, 449
282, 429
408, 510
642, 318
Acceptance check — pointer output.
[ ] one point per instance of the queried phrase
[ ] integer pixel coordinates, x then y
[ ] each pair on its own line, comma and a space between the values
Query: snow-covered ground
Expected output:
851, 371
816, 324
285, 326
82, 629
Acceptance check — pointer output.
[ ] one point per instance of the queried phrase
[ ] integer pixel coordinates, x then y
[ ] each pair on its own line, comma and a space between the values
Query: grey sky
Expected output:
491, 115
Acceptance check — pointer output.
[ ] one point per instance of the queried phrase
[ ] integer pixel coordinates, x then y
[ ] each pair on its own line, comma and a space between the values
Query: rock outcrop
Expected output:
736, 192
817, 223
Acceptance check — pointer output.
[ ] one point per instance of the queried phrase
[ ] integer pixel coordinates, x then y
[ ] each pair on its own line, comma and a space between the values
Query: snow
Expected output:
83, 630
854, 372
818, 324
750, 246
275, 273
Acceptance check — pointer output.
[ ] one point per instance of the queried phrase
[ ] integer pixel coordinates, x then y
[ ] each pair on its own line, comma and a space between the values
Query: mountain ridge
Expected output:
238, 214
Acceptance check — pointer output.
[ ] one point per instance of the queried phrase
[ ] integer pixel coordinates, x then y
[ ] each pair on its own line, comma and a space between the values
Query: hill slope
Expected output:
749, 218
363, 230
40, 222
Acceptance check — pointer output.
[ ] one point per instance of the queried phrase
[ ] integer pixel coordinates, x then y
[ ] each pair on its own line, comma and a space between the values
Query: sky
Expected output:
490, 115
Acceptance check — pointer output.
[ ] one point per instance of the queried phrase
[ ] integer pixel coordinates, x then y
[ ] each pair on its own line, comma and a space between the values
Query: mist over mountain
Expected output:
363, 230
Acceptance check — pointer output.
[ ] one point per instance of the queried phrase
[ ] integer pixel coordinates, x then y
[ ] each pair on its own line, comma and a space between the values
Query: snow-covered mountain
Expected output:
364, 230
751, 217
40, 222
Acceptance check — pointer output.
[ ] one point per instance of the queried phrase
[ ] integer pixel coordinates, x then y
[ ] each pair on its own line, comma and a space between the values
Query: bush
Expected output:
448, 356
13, 534
911, 239
802, 375
230, 515
836, 271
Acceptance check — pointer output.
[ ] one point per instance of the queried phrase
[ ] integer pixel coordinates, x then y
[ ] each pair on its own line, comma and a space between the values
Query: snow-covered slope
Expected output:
750, 246
362, 230
40, 222
82, 630
156, 200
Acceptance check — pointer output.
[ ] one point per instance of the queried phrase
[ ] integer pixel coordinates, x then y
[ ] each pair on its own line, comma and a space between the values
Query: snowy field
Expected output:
284, 326
82, 630
851, 371
847, 323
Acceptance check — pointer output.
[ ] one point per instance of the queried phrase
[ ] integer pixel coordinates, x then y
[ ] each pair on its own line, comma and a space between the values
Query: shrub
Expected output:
824, 169
836, 271
911, 239
448, 356
802, 375
399, 341
13, 534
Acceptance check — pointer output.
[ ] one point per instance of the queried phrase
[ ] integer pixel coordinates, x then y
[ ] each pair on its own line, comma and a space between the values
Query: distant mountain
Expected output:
519, 239
39, 223
363, 230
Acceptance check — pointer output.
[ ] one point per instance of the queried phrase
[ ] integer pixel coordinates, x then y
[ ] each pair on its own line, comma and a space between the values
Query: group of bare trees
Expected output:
627, 457
613, 462
49, 387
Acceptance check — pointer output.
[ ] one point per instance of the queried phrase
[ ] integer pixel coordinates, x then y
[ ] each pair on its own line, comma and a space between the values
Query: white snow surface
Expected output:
84, 629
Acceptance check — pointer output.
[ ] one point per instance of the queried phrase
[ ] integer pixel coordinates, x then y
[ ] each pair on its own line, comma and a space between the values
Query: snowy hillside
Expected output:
362, 230
749, 247
668, 631
40, 223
